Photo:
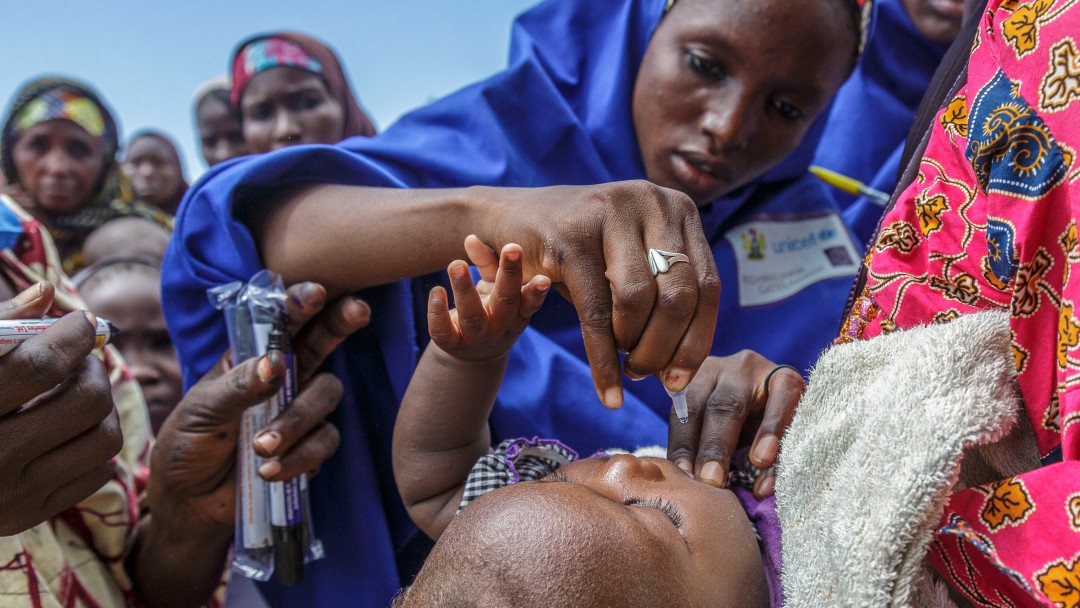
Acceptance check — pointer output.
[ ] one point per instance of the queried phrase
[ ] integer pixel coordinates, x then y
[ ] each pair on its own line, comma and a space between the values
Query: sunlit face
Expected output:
59, 164
155, 172
285, 106
728, 88
220, 134
938, 20
129, 297
641, 520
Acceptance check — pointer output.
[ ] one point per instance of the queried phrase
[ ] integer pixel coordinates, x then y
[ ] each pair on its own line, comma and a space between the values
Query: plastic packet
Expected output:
274, 531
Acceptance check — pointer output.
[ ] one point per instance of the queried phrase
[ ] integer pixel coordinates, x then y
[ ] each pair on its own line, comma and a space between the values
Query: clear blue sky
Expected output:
147, 56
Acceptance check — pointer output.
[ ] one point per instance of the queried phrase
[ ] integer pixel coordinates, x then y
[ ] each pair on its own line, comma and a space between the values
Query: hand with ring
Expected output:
615, 254
736, 401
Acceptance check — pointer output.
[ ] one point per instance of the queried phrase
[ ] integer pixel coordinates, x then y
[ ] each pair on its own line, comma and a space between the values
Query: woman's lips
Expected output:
950, 9
700, 174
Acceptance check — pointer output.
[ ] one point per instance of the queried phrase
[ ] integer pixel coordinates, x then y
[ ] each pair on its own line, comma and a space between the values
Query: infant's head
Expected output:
618, 531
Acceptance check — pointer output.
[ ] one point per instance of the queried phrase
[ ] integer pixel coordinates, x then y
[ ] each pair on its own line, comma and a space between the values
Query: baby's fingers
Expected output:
482, 256
506, 297
441, 326
472, 317
533, 295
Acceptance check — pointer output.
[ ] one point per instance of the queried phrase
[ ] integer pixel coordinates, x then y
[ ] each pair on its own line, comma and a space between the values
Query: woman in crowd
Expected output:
218, 126
865, 133
58, 148
290, 89
705, 97
153, 165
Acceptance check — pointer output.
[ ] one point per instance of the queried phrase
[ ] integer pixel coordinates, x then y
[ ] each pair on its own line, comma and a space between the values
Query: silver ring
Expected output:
661, 261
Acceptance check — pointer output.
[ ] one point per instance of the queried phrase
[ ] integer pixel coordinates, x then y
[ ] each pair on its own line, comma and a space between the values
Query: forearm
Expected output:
440, 433
173, 564
350, 237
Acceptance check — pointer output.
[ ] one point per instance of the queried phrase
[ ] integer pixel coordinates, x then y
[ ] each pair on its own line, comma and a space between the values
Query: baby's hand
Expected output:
486, 322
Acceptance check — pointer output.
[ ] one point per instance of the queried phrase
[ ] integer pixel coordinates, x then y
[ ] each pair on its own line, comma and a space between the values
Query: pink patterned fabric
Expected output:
990, 222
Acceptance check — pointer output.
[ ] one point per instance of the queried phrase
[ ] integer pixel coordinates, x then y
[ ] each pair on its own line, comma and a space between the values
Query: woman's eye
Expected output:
308, 102
79, 150
162, 341
705, 67
38, 144
787, 110
257, 111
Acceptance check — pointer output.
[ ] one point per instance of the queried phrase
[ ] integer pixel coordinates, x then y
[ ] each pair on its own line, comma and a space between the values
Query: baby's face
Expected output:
697, 534
600, 532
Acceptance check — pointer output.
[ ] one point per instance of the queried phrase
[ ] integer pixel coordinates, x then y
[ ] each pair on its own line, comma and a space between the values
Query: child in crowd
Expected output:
156, 172
125, 237
125, 291
216, 123
529, 522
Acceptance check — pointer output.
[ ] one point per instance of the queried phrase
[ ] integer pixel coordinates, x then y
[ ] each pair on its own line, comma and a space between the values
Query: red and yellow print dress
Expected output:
77, 558
991, 222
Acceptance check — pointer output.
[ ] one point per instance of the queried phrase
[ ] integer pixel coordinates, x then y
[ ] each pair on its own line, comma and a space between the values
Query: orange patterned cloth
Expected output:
76, 558
991, 222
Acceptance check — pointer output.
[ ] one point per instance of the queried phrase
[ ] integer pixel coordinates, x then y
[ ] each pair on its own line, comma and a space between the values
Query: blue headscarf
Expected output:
558, 114
864, 136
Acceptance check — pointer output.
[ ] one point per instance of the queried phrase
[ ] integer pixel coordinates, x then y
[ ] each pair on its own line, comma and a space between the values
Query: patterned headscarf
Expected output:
52, 98
266, 51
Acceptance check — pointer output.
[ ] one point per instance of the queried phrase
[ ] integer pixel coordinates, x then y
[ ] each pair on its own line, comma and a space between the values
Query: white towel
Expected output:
874, 450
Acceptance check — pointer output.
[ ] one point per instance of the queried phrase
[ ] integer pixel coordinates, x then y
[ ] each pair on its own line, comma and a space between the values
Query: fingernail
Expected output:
361, 312
313, 294
685, 465
268, 441
631, 374
90, 317
713, 474
613, 398
269, 469
766, 485
764, 452
512, 256
265, 369
30, 294
676, 378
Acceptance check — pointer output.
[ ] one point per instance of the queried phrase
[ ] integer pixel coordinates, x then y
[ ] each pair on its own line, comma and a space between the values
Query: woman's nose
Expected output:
730, 122
286, 127
141, 365
57, 161
624, 467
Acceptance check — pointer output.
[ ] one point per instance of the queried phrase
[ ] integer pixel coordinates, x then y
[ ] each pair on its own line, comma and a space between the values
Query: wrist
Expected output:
448, 360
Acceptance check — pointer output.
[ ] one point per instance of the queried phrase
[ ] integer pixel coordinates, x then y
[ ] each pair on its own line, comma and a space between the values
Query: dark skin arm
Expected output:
181, 545
455, 384
590, 240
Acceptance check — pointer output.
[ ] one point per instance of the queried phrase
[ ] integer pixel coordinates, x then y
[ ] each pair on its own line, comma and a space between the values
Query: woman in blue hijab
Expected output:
700, 96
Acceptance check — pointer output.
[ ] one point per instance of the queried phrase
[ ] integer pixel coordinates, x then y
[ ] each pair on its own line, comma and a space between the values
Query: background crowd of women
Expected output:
110, 212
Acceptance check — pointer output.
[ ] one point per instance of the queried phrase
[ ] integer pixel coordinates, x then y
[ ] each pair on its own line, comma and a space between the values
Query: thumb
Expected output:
252, 382
32, 303
483, 257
